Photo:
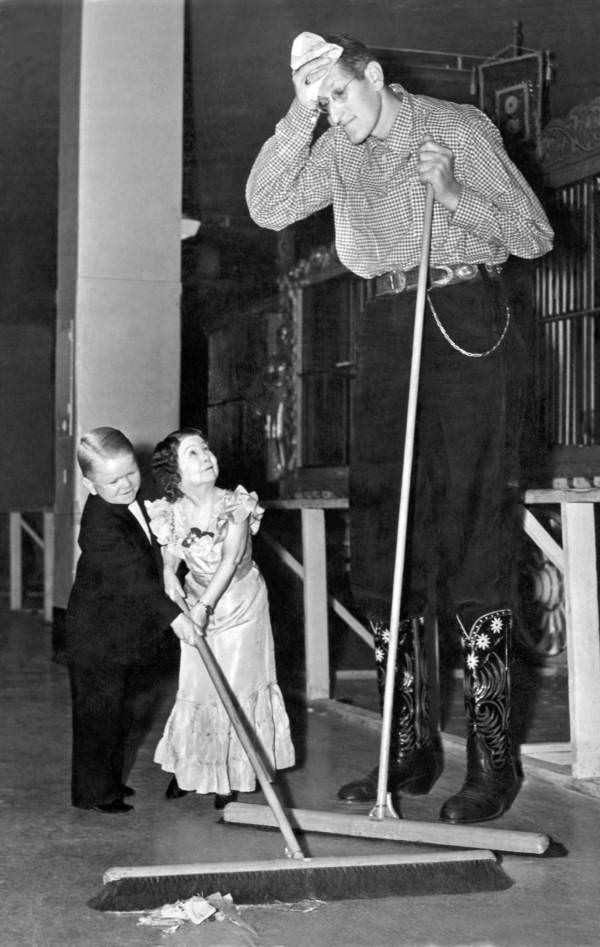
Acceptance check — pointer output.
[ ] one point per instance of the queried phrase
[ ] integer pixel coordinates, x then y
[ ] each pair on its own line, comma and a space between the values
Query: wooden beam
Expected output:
16, 561
316, 631
583, 636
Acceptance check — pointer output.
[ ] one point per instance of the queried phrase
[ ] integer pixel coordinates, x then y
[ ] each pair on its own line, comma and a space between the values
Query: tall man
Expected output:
373, 164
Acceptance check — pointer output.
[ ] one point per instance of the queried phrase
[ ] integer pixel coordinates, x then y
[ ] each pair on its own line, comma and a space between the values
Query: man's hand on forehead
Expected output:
308, 47
315, 71
311, 59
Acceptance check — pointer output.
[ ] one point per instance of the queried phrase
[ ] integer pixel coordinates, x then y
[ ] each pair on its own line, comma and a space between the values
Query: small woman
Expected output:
209, 529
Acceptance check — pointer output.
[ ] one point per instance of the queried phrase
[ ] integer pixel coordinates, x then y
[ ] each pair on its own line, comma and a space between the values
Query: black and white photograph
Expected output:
300, 477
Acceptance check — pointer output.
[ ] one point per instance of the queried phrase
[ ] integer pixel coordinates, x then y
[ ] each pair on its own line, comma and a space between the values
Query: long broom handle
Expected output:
409, 440
221, 687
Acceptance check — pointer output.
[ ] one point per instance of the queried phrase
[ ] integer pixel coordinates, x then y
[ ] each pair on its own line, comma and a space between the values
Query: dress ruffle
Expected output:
169, 525
162, 520
201, 748
240, 505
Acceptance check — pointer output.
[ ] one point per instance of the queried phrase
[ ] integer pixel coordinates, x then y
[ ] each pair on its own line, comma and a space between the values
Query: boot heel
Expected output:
419, 771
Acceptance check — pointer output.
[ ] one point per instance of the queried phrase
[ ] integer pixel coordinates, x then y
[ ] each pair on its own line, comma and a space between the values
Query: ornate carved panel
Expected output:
571, 145
322, 300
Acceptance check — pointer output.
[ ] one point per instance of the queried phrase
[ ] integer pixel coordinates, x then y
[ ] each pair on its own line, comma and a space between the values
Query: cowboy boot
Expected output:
415, 752
493, 776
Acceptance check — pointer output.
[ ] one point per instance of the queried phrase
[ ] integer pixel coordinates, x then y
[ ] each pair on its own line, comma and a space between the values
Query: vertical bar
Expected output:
582, 260
557, 386
48, 565
568, 367
549, 389
16, 561
563, 273
593, 355
560, 393
571, 260
583, 636
300, 407
543, 386
316, 627
583, 412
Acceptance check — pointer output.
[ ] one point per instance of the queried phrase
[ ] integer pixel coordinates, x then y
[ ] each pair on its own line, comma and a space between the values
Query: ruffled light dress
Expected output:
199, 744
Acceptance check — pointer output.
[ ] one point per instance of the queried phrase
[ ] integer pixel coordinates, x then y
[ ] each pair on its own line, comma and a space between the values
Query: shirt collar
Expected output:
401, 133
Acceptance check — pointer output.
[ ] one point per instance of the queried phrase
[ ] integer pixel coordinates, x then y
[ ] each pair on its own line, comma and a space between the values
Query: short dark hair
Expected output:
101, 443
355, 57
165, 465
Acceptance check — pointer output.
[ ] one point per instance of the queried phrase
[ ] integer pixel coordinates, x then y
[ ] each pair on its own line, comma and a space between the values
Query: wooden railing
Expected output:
18, 526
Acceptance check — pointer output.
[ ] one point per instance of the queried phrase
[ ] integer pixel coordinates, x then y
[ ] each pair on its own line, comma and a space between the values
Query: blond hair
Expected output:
101, 443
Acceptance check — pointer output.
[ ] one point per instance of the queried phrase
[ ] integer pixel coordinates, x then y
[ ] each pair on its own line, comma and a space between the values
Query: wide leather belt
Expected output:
403, 281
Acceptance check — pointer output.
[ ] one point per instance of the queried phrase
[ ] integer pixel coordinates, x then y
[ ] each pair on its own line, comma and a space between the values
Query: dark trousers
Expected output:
463, 508
110, 702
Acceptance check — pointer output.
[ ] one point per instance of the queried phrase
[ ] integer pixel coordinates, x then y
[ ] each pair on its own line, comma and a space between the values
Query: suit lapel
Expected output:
140, 508
123, 513
156, 549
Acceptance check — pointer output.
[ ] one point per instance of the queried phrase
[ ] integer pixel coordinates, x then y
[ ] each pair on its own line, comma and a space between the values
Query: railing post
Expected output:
48, 565
316, 637
16, 562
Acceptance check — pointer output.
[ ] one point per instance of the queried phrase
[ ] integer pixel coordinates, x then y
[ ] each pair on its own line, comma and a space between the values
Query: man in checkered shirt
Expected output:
383, 147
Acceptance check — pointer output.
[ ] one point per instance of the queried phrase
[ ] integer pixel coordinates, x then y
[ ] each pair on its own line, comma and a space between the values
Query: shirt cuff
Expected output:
299, 119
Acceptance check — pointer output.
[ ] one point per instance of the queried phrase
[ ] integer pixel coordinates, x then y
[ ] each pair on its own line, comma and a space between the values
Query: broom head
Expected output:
290, 880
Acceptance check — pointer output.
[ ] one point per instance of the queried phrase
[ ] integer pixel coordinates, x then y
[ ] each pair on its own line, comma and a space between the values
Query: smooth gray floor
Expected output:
54, 856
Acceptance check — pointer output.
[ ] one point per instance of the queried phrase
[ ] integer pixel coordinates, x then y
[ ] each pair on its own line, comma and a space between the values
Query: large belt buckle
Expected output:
447, 277
394, 281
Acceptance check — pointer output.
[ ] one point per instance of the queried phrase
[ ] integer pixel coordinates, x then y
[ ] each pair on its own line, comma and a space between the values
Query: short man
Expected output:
384, 145
117, 622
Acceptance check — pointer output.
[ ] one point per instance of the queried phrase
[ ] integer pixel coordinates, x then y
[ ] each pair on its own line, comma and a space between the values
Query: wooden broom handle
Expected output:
409, 441
222, 689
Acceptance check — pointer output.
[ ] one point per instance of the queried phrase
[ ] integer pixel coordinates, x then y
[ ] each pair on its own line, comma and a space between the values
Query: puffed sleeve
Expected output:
162, 520
242, 505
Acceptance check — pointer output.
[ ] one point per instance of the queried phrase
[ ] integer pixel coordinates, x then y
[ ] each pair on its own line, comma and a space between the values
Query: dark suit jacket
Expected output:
118, 611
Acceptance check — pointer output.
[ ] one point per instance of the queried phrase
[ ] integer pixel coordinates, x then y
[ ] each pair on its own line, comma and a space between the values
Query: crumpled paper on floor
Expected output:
170, 917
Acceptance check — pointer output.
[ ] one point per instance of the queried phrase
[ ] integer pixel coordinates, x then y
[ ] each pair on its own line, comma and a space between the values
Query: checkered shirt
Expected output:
378, 200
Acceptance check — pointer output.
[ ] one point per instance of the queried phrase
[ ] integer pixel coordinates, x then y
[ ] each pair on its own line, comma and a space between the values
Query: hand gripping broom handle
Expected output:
221, 687
409, 440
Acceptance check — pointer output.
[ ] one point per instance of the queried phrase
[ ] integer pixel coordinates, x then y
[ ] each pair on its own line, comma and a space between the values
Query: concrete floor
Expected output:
54, 855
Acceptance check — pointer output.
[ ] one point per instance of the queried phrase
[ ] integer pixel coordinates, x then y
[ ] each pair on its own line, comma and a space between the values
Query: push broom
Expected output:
295, 877
376, 825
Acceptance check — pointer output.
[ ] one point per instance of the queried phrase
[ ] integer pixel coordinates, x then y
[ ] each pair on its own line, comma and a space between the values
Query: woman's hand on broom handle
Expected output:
186, 630
200, 615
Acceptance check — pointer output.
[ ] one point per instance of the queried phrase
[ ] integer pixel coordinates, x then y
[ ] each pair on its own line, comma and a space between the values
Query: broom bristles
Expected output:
290, 880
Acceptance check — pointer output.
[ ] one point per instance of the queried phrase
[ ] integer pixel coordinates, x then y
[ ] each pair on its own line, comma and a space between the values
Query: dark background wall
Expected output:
241, 62
240, 86
29, 63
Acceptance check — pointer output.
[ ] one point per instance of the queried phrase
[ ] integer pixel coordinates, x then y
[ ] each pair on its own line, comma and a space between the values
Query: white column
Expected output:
120, 166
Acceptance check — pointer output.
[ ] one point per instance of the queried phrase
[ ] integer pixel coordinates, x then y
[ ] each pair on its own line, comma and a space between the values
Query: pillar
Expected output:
120, 163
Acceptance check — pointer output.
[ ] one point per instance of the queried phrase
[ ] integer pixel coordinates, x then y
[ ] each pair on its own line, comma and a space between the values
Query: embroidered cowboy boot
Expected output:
493, 777
416, 758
